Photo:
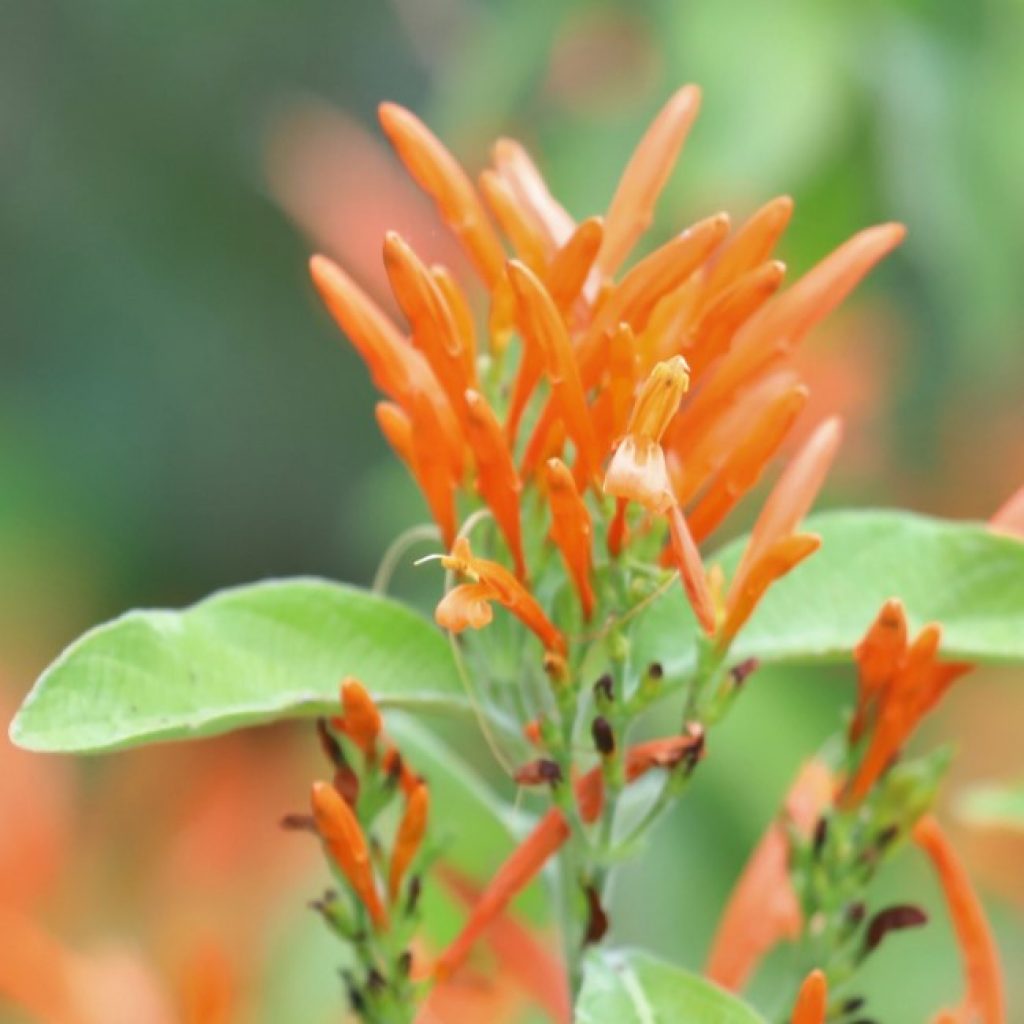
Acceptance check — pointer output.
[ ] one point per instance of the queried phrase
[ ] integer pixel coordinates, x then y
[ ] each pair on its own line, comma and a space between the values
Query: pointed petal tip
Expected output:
390, 113
687, 96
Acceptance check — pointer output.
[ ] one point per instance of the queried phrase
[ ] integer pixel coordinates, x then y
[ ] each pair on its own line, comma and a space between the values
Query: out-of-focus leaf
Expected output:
996, 805
958, 574
632, 987
241, 657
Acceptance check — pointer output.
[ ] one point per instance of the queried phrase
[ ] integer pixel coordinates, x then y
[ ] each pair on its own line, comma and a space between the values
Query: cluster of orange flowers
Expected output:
357, 791
898, 682
602, 367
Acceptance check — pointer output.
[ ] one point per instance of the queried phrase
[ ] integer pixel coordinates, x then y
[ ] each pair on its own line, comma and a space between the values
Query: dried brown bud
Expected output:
604, 737
740, 673
604, 688
597, 919
892, 919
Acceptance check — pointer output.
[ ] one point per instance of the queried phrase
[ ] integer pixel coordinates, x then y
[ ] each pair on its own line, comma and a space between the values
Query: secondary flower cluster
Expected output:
807, 878
375, 909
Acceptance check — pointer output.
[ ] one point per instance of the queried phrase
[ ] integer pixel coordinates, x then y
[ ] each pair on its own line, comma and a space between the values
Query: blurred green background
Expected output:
177, 413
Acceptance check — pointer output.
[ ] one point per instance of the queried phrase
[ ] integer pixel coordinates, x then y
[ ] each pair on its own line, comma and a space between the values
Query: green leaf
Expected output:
994, 806
241, 657
958, 574
633, 987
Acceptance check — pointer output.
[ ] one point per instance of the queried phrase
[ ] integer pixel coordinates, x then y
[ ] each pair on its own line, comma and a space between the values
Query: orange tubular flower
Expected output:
637, 470
984, 1002
511, 878
751, 244
497, 479
878, 656
410, 834
399, 370
439, 174
343, 836
896, 700
763, 909
435, 331
527, 237
513, 163
614, 402
417, 447
571, 530
812, 1001
718, 323
779, 326
634, 299
916, 683
745, 463
570, 266
691, 570
541, 321
632, 206
774, 549
467, 605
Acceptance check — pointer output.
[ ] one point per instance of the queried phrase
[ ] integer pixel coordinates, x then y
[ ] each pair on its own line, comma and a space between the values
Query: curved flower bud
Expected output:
410, 834
812, 1000
632, 206
571, 530
984, 1000
343, 836
441, 176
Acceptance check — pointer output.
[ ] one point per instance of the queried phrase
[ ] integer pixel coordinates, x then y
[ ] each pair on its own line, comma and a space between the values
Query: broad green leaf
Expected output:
633, 987
995, 805
241, 657
958, 574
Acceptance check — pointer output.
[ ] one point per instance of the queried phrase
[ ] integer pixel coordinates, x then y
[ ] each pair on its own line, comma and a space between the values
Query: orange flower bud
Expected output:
460, 310
527, 238
497, 479
744, 464
410, 834
812, 1000
793, 494
719, 322
752, 244
571, 530
435, 331
919, 683
514, 164
439, 174
632, 206
879, 656
539, 318
691, 570
343, 836
783, 556
361, 720
572, 263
